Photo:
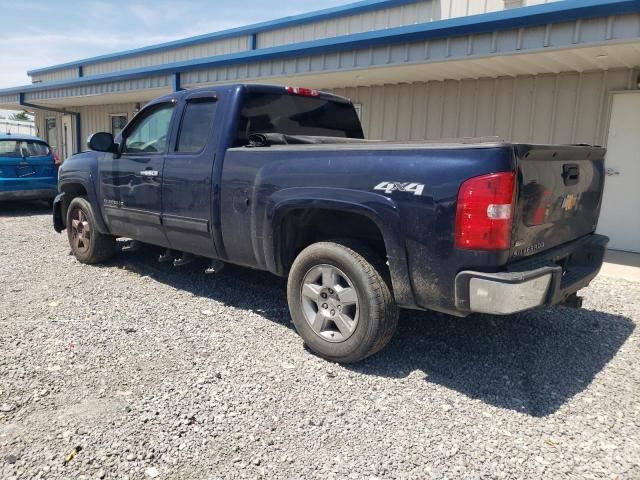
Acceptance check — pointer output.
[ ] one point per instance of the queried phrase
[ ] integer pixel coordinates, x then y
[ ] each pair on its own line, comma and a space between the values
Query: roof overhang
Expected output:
586, 59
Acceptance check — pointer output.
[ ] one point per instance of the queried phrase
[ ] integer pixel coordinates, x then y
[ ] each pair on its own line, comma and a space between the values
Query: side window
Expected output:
196, 125
150, 132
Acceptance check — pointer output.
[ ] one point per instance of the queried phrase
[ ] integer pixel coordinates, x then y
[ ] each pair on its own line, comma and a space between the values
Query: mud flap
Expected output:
58, 221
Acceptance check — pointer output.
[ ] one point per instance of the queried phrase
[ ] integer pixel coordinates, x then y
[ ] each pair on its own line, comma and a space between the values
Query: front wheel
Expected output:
340, 302
87, 244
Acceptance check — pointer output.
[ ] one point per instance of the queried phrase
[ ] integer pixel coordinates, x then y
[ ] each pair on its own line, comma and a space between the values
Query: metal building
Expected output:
565, 71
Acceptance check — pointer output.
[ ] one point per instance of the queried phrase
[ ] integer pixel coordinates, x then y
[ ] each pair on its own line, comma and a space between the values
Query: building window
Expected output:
51, 132
118, 122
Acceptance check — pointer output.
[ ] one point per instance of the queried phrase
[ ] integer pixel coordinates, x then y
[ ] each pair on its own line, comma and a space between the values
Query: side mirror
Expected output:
102, 142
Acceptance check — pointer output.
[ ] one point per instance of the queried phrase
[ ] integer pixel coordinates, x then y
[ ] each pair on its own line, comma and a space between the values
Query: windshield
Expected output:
297, 115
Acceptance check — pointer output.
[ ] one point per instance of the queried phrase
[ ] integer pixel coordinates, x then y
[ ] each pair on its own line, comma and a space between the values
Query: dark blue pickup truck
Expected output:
281, 179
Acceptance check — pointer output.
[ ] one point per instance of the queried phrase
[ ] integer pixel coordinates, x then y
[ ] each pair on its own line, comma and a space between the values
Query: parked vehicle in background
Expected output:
28, 168
281, 179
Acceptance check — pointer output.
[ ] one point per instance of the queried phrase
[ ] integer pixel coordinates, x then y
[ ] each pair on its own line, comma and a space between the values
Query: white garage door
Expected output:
620, 214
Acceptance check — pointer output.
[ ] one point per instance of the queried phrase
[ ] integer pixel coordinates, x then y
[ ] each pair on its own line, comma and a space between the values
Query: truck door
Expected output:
187, 179
132, 182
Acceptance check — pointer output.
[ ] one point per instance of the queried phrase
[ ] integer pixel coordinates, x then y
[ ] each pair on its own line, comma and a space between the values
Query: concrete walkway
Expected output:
625, 265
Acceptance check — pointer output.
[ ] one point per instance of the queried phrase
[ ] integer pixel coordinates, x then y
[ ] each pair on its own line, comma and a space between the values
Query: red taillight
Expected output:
56, 159
305, 92
485, 212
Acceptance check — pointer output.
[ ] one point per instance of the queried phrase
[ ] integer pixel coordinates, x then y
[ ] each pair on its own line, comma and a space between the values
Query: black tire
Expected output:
377, 312
93, 247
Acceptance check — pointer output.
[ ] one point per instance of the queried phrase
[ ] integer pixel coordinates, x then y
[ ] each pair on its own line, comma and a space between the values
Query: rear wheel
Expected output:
87, 244
340, 302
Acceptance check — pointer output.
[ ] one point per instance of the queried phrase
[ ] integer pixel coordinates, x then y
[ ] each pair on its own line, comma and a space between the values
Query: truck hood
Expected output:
80, 162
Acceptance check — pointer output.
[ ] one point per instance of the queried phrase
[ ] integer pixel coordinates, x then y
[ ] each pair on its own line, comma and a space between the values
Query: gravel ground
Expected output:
147, 371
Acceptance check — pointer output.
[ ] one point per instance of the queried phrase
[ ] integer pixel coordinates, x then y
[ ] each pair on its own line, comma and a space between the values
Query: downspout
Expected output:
176, 82
58, 110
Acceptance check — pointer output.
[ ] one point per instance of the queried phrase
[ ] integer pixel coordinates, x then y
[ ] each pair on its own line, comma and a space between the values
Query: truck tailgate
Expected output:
559, 195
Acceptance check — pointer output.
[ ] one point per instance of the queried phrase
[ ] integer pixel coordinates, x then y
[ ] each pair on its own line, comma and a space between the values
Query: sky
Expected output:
40, 33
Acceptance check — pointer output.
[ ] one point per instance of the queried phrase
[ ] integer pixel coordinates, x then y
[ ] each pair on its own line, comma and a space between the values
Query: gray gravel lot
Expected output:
157, 372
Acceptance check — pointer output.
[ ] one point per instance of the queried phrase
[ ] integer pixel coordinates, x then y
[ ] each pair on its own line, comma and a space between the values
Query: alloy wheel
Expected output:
330, 303
80, 230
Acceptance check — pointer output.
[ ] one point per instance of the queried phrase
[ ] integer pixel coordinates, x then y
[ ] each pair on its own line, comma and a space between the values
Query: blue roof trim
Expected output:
327, 13
562, 11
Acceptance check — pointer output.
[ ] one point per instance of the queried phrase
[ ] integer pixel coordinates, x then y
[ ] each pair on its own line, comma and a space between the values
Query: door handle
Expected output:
611, 172
149, 173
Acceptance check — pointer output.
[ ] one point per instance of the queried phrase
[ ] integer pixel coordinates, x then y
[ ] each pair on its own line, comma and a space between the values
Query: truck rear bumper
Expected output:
541, 280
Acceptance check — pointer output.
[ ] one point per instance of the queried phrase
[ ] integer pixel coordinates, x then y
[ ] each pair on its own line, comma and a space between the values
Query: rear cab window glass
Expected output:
196, 125
297, 115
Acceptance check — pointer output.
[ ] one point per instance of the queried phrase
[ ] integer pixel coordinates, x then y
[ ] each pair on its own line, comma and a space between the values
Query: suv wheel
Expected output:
87, 244
340, 302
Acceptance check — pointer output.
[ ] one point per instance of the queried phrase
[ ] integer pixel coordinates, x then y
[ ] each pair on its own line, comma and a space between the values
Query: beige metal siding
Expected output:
461, 8
418, 12
55, 76
552, 108
203, 50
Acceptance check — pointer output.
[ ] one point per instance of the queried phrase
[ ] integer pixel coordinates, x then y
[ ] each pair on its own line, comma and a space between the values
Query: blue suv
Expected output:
28, 168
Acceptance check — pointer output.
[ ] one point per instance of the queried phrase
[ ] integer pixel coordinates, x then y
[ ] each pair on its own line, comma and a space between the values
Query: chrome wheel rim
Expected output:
330, 303
80, 231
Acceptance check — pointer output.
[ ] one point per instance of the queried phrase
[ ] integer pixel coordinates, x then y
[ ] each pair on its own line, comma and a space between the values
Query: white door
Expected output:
67, 136
620, 214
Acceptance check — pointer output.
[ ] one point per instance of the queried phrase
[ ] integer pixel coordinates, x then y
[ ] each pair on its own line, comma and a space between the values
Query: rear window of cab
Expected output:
23, 148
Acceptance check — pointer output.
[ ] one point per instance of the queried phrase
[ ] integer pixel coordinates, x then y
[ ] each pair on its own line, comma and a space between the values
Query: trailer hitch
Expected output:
572, 301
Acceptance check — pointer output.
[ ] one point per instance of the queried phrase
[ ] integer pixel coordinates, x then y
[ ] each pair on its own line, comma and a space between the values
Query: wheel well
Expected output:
71, 191
300, 228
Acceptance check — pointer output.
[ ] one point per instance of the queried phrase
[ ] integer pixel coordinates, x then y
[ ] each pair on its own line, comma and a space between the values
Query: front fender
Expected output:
69, 181
380, 209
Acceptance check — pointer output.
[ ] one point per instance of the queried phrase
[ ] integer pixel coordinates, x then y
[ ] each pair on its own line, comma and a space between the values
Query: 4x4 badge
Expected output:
410, 187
